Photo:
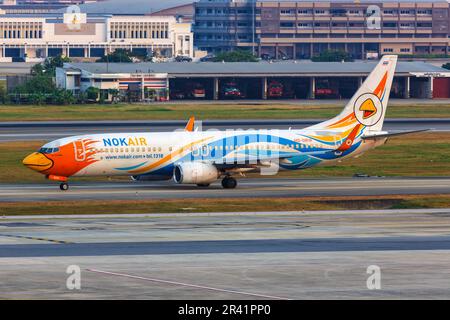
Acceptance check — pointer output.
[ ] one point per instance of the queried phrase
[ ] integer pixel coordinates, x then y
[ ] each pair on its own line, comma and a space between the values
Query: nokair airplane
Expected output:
201, 158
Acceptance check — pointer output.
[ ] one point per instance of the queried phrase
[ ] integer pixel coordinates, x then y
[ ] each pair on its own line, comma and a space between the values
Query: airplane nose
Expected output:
37, 162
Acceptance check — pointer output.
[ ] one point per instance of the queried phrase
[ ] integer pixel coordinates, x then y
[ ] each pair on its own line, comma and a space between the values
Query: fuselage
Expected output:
152, 156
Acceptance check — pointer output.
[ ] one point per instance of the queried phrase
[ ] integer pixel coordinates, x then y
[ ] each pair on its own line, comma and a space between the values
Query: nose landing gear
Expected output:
64, 186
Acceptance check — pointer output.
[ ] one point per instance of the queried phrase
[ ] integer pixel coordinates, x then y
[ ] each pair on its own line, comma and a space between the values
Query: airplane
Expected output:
203, 157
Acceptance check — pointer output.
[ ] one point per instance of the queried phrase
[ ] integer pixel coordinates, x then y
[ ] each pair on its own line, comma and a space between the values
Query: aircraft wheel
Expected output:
203, 185
229, 183
64, 186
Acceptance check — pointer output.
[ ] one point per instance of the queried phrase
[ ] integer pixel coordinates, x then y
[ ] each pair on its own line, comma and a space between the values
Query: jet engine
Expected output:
195, 173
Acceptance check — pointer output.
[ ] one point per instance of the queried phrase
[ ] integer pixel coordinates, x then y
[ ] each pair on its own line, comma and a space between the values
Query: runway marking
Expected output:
35, 238
186, 284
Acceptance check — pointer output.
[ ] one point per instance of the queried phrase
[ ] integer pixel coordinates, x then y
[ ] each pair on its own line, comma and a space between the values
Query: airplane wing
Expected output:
388, 135
245, 159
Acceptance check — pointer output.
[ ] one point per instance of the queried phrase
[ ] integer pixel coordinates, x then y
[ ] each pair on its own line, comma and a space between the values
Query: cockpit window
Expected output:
48, 150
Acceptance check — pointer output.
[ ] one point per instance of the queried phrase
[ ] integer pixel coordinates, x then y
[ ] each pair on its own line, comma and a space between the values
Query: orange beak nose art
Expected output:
37, 162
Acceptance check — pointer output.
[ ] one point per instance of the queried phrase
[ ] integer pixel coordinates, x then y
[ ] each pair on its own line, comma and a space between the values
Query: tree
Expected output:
37, 70
92, 93
114, 94
62, 97
37, 98
332, 56
4, 97
41, 89
235, 56
52, 63
42, 84
446, 66
119, 55
49, 66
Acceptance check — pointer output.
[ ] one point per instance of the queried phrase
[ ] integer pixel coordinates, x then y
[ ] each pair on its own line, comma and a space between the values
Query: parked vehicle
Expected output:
266, 56
275, 89
327, 93
177, 94
207, 58
195, 90
183, 59
198, 92
327, 89
231, 91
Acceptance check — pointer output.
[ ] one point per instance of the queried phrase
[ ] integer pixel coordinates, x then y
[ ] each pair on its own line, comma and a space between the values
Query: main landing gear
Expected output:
229, 183
64, 186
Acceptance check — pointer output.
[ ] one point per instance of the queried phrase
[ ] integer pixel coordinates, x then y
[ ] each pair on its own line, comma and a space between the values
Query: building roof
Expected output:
131, 7
15, 68
355, 2
242, 69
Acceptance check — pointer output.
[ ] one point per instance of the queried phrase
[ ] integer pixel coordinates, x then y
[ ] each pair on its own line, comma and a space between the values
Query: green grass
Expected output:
204, 111
422, 154
224, 205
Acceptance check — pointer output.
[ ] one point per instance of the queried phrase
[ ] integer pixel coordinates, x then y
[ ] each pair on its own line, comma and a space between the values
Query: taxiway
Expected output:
252, 188
51, 130
286, 255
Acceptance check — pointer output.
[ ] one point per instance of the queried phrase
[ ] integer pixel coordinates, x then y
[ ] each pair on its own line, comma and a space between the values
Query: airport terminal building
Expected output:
258, 80
78, 35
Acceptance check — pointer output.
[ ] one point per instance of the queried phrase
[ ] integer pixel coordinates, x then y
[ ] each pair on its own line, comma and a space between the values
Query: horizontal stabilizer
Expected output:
388, 135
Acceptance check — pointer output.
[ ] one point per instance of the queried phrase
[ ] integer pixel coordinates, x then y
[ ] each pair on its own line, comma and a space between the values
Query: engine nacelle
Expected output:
195, 173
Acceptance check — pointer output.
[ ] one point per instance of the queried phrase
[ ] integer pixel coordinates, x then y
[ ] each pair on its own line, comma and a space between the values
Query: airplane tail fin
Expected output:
367, 107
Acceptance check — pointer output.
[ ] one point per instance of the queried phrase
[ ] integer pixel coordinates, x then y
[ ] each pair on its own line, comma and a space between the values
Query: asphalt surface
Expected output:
225, 246
52, 130
284, 255
252, 188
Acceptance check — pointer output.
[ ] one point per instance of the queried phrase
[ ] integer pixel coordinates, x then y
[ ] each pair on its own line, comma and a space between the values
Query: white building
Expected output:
78, 35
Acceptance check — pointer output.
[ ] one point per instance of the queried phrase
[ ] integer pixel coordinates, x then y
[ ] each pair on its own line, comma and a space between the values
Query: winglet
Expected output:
190, 125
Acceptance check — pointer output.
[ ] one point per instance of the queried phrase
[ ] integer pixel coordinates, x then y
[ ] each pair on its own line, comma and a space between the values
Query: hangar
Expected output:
249, 80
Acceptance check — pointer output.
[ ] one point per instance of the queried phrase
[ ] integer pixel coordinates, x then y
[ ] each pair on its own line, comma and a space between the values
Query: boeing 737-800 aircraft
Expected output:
201, 158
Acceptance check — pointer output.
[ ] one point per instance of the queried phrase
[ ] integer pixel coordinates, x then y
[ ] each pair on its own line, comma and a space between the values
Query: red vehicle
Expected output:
231, 91
327, 89
275, 90
326, 92
196, 91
